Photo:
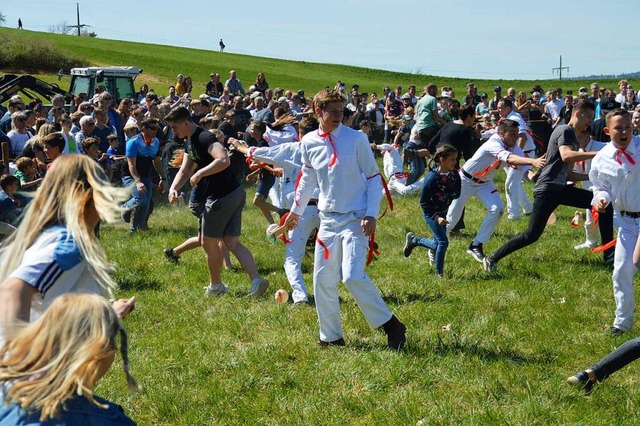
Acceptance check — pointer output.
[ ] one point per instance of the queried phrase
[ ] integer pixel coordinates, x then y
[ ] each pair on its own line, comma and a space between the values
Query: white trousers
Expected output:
488, 196
517, 197
623, 272
295, 250
346, 247
400, 187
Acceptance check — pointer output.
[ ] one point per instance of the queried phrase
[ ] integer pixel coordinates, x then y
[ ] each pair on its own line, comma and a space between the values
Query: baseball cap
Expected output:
608, 104
406, 96
282, 99
497, 89
583, 89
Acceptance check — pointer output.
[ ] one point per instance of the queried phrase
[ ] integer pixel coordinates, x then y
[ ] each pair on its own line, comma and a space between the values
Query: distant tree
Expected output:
61, 27
87, 33
3, 18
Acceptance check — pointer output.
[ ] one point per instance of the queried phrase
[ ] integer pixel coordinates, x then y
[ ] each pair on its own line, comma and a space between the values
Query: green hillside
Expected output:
161, 64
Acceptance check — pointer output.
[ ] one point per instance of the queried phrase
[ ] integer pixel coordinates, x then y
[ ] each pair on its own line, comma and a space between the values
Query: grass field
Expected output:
162, 63
482, 348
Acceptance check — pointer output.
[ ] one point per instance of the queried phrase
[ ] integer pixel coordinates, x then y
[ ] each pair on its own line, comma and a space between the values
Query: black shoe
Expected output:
615, 332
608, 260
282, 212
396, 333
171, 255
476, 252
581, 380
489, 264
339, 342
126, 215
408, 245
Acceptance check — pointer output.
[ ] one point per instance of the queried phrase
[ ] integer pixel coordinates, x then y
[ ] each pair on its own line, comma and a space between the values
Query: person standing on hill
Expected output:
222, 46
20, 24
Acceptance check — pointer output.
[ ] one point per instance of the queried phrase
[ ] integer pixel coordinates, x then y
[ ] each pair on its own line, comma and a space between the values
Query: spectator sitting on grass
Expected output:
28, 178
33, 148
234, 85
11, 203
87, 126
53, 146
19, 134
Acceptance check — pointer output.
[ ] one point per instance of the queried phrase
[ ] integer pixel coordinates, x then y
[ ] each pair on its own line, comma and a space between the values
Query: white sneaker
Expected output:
585, 245
513, 217
215, 289
432, 257
259, 287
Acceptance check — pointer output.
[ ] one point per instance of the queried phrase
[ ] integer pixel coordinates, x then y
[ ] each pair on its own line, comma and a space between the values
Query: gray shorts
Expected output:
223, 216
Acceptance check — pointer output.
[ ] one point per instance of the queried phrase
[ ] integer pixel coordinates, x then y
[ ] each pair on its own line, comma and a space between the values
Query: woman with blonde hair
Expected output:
49, 369
34, 149
54, 250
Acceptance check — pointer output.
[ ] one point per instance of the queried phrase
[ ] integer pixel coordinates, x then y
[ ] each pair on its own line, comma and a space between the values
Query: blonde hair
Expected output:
60, 355
72, 185
44, 130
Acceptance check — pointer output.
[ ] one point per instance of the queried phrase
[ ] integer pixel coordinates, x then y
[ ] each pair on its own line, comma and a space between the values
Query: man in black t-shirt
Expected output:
206, 160
552, 190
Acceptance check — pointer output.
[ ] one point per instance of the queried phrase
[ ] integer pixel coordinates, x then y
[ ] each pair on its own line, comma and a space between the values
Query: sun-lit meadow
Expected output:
482, 348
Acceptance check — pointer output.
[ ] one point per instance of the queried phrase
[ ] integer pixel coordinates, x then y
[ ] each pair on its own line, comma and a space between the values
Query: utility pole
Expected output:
559, 69
79, 26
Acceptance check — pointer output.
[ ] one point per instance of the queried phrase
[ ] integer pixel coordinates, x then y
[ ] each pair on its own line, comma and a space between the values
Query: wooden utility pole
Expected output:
79, 25
559, 69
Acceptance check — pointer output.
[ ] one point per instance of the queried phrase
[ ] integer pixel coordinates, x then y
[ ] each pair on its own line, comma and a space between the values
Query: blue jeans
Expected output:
417, 165
140, 202
438, 243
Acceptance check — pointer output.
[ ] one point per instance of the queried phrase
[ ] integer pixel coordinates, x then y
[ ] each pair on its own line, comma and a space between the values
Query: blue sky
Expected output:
455, 38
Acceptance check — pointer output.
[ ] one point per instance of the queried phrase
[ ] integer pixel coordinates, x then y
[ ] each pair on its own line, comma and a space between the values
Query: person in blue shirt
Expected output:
441, 186
49, 368
142, 152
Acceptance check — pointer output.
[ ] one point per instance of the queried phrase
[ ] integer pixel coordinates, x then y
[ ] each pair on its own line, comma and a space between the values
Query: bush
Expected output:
41, 56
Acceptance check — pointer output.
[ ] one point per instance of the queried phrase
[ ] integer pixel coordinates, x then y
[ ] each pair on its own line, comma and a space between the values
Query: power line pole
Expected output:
559, 69
79, 26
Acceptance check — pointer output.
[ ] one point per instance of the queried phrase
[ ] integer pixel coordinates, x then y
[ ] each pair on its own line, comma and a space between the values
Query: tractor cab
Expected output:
116, 80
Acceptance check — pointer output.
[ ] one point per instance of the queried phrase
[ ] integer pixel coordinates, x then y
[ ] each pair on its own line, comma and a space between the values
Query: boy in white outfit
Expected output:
615, 175
394, 171
288, 156
339, 161
517, 197
584, 167
477, 180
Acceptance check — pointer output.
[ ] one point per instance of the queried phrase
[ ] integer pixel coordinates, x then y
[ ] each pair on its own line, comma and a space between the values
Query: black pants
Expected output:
544, 203
621, 356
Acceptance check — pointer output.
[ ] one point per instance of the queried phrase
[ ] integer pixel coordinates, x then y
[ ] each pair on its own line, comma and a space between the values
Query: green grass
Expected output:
162, 63
514, 336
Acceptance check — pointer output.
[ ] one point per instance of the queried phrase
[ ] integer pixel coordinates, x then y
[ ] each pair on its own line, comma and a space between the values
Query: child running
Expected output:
441, 187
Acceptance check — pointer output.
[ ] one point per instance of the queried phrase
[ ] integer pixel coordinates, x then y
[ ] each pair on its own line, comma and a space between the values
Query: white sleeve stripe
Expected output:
45, 279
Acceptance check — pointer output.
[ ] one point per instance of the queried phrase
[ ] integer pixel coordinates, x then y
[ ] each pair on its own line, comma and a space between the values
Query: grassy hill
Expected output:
162, 63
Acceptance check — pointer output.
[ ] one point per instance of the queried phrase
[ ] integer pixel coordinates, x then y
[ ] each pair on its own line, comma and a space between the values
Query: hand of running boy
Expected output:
442, 221
601, 205
173, 196
124, 307
368, 224
292, 220
540, 162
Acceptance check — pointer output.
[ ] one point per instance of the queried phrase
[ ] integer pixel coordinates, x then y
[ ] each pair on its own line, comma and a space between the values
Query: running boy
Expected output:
615, 175
339, 161
477, 180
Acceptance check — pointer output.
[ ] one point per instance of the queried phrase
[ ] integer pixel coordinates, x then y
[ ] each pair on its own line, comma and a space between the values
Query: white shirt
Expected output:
584, 166
523, 129
18, 141
54, 266
489, 158
277, 137
343, 167
615, 179
288, 156
552, 109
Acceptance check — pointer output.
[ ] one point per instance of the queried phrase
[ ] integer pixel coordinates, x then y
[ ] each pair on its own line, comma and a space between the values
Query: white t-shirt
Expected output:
277, 137
18, 141
53, 265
